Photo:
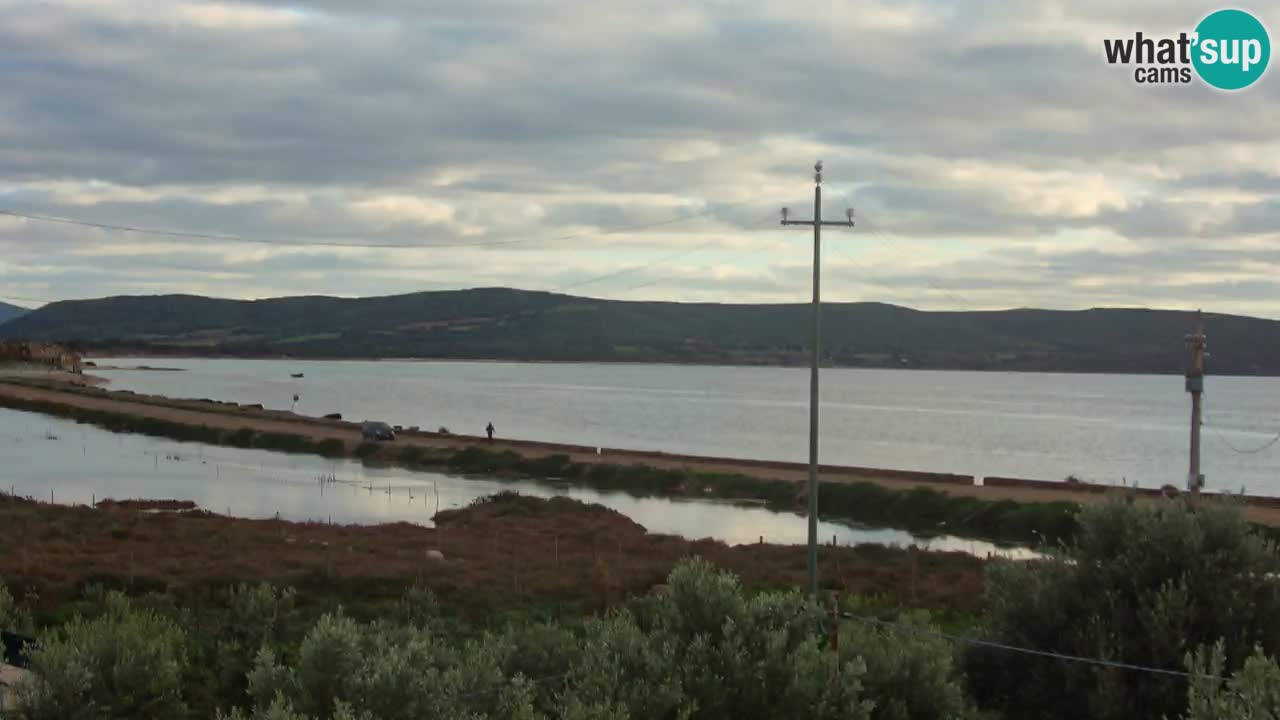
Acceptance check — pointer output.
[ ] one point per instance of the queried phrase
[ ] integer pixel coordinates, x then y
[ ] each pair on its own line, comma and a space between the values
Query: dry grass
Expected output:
505, 554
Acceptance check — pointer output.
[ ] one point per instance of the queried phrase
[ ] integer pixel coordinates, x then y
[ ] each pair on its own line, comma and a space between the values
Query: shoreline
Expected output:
641, 363
644, 471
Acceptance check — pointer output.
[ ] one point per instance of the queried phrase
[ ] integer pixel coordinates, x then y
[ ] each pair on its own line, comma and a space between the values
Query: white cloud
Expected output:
389, 210
1009, 165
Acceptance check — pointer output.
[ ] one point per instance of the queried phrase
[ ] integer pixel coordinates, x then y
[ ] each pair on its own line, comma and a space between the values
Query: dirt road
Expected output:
231, 417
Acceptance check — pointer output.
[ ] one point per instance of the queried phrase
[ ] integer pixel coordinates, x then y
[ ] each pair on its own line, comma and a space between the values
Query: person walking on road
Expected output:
489, 430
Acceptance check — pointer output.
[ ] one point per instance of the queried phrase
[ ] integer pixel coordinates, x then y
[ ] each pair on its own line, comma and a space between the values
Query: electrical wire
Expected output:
874, 228
568, 286
181, 234
861, 221
638, 268
916, 630
1243, 451
655, 281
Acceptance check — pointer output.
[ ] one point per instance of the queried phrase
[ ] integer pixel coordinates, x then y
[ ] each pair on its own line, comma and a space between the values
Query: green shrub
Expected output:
126, 663
344, 669
285, 442
1141, 583
547, 466
412, 455
367, 450
255, 617
12, 617
242, 438
1253, 693
908, 676
331, 447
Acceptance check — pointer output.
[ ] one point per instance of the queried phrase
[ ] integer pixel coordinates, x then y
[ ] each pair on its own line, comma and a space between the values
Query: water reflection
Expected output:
1108, 429
45, 456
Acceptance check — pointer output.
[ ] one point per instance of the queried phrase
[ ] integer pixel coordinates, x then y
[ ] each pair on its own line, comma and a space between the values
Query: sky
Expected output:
630, 149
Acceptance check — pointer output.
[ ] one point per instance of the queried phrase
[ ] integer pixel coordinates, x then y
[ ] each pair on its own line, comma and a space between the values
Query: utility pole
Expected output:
815, 344
1196, 344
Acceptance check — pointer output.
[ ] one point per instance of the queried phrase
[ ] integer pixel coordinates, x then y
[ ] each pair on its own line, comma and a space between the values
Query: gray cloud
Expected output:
993, 139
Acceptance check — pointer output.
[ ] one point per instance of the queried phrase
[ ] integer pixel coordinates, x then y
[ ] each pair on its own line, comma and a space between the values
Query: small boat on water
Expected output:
296, 375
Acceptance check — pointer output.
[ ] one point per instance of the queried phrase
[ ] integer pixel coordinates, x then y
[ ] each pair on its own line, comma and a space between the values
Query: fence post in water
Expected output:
555, 544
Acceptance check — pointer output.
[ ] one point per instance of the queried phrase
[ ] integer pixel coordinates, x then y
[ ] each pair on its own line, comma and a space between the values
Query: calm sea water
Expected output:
50, 458
1102, 428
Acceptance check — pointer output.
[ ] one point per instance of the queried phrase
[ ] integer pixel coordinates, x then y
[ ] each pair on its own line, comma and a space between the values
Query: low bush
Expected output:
242, 438
284, 442
126, 663
1138, 583
331, 447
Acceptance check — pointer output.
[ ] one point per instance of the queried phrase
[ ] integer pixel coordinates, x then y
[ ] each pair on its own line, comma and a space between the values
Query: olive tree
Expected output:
1253, 693
1142, 584
345, 669
13, 617
705, 649
910, 674
127, 662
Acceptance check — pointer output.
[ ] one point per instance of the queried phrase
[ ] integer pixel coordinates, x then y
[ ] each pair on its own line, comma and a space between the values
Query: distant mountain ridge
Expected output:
506, 324
9, 312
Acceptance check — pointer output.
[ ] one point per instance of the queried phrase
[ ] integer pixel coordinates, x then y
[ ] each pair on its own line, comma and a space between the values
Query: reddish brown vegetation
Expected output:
504, 554
170, 505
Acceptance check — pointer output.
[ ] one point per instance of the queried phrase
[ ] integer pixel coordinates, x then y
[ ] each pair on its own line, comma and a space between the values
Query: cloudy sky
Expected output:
635, 149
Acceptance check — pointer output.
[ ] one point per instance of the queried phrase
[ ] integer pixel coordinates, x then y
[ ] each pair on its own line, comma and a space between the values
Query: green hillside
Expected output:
497, 323
9, 312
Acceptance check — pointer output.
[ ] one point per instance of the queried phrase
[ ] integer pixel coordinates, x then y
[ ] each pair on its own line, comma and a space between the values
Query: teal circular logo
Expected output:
1232, 49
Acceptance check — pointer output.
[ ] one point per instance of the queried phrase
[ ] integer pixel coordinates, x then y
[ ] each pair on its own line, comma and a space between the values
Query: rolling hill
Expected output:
9, 312
499, 323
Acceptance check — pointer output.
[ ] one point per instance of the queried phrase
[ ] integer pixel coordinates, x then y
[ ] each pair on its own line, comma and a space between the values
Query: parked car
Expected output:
376, 430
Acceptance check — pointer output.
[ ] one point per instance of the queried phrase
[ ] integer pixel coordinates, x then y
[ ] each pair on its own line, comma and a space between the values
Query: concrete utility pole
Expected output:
815, 344
1196, 344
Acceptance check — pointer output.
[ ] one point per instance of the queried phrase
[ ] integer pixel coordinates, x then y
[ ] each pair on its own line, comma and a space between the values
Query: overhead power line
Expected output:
1099, 662
874, 227
182, 234
1244, 451
642, 266
630, 270
737, 258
